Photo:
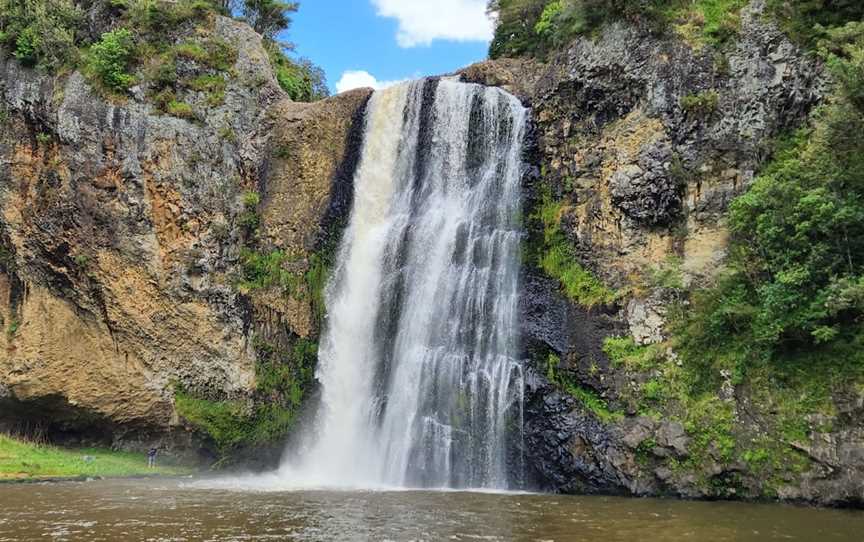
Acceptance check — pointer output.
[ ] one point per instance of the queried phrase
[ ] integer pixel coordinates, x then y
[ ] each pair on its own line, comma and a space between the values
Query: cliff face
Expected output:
641, 142
122, 236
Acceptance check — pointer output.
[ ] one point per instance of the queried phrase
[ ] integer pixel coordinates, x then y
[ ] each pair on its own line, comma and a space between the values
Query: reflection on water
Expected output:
173, 511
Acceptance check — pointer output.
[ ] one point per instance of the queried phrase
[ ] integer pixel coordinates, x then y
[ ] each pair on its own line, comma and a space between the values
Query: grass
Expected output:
589, 398
705, 22
624, 352
22, 460
180, 109
557, 260
263, 270
703, 104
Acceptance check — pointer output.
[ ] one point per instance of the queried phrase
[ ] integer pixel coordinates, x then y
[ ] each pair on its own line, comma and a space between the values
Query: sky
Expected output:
374, 43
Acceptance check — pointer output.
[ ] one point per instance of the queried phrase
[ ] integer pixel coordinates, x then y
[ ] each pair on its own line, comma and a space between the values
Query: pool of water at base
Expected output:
175, 510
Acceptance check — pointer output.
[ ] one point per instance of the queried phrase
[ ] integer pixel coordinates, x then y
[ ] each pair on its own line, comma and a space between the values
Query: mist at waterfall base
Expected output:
421, 383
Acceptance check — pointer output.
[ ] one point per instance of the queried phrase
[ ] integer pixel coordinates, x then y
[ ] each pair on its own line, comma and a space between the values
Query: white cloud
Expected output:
423, 21
359, 79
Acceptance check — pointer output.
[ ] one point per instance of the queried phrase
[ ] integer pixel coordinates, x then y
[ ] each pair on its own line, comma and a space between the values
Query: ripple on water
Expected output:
113, 511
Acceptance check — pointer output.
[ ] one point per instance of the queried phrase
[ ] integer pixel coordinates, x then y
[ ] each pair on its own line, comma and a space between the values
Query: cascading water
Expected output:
421, 383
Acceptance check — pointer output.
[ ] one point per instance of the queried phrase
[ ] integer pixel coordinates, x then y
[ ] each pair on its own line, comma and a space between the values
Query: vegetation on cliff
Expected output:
153, 43
283, 376
537, 26
534, 27
795, 280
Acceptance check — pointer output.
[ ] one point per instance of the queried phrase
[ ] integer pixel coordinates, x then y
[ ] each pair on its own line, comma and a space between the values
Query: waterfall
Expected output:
419, 359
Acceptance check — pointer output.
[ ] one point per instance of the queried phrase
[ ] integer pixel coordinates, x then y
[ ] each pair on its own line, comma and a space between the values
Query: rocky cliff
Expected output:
126, 234
640, 144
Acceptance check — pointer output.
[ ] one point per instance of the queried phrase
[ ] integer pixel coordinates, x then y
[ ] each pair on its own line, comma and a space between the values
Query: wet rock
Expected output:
567, 449
646, 319
641, 429
672, 435
663, 473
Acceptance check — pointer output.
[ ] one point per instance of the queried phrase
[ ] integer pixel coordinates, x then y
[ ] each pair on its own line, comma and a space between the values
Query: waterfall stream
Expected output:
419, 360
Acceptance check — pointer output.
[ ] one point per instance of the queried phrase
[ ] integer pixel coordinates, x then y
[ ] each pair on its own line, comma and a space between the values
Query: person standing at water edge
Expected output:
151, 458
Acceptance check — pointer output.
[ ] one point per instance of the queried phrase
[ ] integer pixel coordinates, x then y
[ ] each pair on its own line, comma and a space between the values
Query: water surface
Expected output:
169, 510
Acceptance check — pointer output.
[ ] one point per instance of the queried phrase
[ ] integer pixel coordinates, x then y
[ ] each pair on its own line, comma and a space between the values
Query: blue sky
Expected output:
373, 42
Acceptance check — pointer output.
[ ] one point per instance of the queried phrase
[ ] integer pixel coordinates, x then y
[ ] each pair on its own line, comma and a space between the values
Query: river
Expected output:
175, 510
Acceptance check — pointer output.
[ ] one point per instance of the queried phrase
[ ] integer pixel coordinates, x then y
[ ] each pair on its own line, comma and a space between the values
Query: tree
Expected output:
269, 17
40, 32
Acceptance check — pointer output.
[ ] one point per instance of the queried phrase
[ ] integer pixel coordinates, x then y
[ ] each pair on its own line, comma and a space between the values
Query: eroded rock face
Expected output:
120, 240
646, 141
646, 319
647, 172
646, 191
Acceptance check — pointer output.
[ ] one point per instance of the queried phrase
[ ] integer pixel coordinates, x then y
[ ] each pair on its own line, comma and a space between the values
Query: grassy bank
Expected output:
21, 460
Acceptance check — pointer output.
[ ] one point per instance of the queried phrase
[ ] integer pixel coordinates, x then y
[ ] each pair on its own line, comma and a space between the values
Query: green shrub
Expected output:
163, 72
302, 80
109, 59
709, 421
808, 20
212, 85
844, 50
157, 19
12, 329
592, 402
27, 46
624, 352
282, 375
251, 200
653, 390
227, 133
234, 424
546, 24
533, 26
795, 284
316, 281
703, 104
191, 51
589, 398
212, 53
249, 219
261, 270
667, 275
705, 22
180, 110
41, 32
221, 56
579, 284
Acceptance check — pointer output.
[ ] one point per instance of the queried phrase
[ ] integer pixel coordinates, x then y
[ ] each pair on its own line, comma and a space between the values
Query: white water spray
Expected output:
418, 364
